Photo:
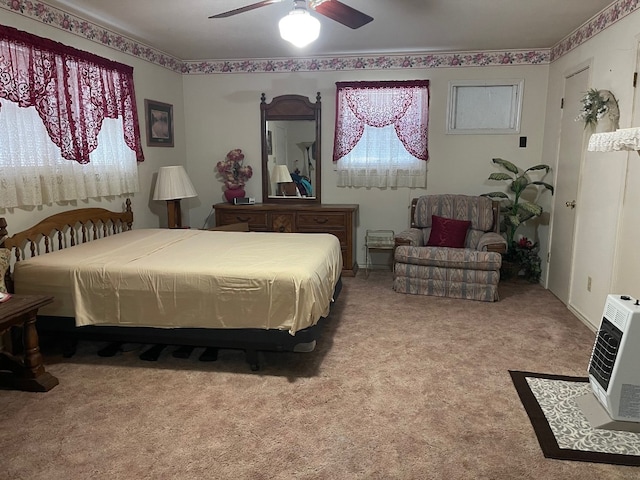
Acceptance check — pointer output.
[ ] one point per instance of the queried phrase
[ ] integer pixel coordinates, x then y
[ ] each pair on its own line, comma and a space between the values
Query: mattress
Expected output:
189, 278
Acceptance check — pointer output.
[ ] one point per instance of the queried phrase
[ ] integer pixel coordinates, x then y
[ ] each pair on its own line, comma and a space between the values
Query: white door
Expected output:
570, 153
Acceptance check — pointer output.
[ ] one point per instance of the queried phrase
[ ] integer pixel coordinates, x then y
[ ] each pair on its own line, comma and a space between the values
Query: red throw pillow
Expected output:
448, 232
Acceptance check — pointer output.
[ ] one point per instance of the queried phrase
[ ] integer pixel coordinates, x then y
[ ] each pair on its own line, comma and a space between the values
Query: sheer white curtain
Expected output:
381, 134
379, 159
33, 172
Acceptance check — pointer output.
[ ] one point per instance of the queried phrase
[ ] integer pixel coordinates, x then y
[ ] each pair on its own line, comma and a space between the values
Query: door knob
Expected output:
571, 204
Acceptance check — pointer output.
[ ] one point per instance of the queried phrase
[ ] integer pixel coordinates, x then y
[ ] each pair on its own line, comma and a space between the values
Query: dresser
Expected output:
339, 220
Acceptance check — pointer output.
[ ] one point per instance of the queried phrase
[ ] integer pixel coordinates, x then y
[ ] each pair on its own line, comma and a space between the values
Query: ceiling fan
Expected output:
332, 9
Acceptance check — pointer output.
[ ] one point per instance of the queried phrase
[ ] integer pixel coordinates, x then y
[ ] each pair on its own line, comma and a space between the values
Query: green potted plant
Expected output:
515, 211
524, 255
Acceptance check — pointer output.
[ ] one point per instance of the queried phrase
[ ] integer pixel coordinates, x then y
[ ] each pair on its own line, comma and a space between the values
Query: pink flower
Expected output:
233, 173
524, 242
235, 156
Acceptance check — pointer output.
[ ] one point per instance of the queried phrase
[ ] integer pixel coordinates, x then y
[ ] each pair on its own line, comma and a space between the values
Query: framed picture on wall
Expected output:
159, 118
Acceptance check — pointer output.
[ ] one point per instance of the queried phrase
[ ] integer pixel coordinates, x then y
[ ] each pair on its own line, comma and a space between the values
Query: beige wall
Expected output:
608, 218
151, 81
223, 112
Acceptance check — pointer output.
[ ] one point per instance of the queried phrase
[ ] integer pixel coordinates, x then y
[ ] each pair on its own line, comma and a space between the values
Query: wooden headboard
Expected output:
64, 230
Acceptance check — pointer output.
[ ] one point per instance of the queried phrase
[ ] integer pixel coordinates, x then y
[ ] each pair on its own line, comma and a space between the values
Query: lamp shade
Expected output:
173, 183
281, 174
299, 27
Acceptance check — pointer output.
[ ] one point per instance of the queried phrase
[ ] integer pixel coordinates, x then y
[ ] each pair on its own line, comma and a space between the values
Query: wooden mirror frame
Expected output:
290, 107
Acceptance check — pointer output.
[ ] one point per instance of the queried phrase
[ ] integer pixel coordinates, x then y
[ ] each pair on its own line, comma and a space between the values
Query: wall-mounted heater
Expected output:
614, 368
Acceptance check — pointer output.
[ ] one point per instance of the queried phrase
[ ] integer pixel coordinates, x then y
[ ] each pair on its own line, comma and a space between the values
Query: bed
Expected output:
197, 288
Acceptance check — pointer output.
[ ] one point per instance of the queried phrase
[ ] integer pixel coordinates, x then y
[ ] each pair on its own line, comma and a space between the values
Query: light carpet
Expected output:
399, 387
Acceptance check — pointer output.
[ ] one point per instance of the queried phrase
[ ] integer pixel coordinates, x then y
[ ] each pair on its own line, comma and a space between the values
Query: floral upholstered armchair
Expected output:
452, 249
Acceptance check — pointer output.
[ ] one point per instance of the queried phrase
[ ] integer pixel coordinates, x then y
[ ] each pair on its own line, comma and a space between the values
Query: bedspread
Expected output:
189, 278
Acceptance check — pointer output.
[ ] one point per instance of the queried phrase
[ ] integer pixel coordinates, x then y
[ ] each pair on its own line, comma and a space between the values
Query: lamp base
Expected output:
174, 213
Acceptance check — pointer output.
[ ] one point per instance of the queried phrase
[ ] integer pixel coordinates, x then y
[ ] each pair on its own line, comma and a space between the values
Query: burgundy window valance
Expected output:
72, 91
403, 104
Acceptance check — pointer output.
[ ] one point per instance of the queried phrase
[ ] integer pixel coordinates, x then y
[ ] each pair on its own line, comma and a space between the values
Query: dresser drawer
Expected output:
282, 222
341, 234
257, 220
322, 221
338, 220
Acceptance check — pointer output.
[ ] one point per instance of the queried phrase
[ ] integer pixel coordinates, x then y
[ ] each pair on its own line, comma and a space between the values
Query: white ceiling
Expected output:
182, 29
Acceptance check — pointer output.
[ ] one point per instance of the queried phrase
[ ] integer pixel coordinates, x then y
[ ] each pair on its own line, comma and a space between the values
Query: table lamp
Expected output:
172, 185
281, 175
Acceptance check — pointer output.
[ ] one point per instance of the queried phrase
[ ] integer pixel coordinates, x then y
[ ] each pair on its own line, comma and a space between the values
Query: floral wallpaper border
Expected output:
595, 25
65, 21
373, 62
83, 28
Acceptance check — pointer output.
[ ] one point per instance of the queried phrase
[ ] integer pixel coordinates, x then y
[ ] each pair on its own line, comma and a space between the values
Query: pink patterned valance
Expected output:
405, 104
72, 91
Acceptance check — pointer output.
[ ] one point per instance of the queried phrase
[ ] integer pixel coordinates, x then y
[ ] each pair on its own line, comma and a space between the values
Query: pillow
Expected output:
448, 232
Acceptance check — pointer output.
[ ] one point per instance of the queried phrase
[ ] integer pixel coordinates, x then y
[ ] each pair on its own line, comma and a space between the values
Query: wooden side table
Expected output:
28, 373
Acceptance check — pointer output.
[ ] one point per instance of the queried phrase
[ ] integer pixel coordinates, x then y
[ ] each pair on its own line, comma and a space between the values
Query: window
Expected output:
33, 171
381, 133
68, 123
491, 107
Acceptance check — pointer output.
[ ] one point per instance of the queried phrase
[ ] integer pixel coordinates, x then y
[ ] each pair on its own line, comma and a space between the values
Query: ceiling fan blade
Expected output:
247, 8
343, 14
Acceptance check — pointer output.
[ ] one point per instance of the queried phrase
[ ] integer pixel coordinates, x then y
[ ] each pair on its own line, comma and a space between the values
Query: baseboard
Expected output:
582, 318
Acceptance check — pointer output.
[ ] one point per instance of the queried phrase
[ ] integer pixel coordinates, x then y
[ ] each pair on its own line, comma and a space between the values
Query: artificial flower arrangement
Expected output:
524, 256
594, 107
233, 173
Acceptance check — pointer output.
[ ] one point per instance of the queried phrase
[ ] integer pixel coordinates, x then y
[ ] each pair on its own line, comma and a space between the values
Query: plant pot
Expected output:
509, 270
232, 193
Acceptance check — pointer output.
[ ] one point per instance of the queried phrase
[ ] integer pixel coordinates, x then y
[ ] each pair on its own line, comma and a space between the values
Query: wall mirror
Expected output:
290, 149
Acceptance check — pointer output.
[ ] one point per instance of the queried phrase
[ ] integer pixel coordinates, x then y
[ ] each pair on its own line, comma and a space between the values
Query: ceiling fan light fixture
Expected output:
299, 27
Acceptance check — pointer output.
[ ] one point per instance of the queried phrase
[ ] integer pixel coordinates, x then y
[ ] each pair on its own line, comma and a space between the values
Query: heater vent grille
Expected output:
616, 315
604, 354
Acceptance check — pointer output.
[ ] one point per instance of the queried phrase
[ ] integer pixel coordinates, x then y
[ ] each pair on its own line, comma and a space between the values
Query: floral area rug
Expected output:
562, 429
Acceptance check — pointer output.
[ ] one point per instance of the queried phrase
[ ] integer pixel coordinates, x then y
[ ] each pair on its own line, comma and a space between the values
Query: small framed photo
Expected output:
159, 123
